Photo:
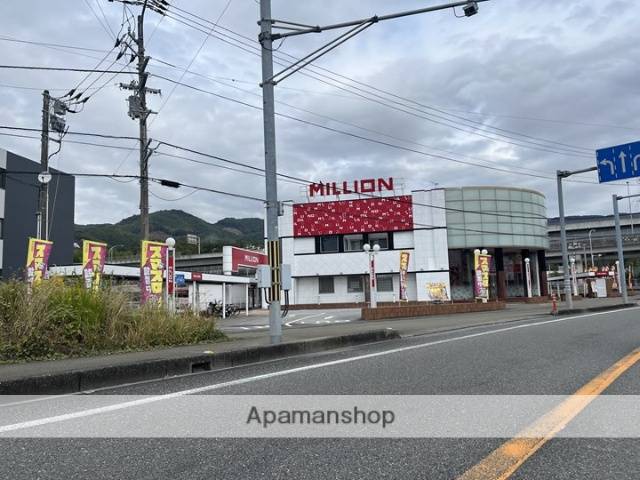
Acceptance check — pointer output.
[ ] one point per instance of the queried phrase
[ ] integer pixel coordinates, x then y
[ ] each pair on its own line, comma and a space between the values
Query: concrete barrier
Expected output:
110, 375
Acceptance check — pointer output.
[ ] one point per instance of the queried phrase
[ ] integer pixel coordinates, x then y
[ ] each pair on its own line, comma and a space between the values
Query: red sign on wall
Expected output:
246, 258
386, 214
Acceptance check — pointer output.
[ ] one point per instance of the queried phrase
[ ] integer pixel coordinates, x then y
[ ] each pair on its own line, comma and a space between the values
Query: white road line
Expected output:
329, 317
264, 376
288, 324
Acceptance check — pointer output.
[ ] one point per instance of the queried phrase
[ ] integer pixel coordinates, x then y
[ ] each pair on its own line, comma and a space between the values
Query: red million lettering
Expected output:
369, 185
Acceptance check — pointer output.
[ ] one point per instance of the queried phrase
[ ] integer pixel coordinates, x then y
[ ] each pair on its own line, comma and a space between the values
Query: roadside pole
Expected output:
269, 80
622, 280
560, 174
563, 241
43, 217
271, 179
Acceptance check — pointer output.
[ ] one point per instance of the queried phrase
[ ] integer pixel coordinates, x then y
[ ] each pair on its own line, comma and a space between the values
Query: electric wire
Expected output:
564, 151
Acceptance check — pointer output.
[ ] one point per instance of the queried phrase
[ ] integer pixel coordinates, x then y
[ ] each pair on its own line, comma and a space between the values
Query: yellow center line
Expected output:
506, 459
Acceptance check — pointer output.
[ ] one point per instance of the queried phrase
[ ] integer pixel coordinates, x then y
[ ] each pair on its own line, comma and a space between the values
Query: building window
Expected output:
385, 283
329, 244
353, 243
354, 284
325, 285
3, 178
381, 239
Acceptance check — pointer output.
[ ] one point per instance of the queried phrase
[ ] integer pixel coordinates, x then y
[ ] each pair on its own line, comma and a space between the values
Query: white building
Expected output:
323, 237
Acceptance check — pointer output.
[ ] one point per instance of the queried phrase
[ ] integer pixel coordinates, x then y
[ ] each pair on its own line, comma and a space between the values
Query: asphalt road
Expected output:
295, 319
535, 357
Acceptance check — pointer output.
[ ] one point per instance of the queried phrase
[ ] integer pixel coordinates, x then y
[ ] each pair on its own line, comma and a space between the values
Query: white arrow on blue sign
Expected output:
619, 162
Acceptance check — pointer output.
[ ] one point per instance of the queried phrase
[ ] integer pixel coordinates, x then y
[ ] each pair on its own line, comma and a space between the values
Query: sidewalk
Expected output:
92, 372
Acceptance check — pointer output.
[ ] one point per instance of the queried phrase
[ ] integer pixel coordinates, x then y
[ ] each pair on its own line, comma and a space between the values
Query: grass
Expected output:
57, 319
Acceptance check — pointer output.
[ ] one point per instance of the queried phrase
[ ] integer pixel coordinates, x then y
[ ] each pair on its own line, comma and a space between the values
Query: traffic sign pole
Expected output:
622, 280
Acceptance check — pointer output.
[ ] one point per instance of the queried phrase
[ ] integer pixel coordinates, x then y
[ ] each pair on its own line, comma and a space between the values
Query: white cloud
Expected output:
563, 61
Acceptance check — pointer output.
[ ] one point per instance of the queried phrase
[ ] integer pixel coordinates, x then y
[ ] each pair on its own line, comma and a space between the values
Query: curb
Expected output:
596, 309
110, 376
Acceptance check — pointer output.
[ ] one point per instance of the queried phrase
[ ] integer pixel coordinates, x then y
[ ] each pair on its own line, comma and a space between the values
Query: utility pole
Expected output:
43, 214
269, 80
271, 179
560, 174
622, 278
144, 147
621, 268
138, 110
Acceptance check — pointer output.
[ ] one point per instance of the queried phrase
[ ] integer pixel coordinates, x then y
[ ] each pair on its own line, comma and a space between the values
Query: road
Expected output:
530, 357
295, 319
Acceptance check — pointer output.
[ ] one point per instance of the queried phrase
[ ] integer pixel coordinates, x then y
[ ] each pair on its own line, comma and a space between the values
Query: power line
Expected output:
362, 137
304, 181
87, 134
564, 151
160, 181
59, 69
193, 58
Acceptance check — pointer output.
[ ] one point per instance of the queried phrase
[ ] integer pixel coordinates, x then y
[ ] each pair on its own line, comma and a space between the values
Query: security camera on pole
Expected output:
373, 288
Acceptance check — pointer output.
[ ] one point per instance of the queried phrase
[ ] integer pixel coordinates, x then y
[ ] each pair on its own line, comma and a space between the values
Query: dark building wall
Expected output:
21, 204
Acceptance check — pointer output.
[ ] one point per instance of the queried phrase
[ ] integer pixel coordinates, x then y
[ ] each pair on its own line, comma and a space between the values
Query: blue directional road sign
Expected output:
618, 163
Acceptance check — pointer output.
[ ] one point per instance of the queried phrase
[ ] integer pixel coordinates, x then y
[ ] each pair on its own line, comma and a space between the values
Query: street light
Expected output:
591, 245
269, 80
373, 289
109, 254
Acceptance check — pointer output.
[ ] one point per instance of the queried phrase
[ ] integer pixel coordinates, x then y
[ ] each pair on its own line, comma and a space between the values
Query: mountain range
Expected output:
125, 234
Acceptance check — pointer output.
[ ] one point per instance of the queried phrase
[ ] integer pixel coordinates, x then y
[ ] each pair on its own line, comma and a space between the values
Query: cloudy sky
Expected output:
524, 87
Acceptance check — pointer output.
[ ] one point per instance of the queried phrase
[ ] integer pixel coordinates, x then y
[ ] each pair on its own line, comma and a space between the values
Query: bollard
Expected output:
554, 304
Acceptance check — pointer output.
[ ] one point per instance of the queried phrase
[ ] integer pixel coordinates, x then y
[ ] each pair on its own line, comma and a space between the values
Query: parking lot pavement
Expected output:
259, 320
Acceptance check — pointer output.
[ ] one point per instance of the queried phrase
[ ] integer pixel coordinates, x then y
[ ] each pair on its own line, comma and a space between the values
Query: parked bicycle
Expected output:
214, 309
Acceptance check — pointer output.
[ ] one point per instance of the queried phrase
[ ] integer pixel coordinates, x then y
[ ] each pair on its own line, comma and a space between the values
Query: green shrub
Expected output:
57, 319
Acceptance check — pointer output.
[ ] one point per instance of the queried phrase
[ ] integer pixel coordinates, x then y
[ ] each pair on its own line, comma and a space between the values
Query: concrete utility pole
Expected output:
138, 110
560, 174
269, 80
144, 146
43, 214
271, 179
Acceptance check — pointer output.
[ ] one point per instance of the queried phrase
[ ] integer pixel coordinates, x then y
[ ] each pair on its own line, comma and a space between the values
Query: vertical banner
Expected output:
38, 260
171, 269
481, 266
94, 256
404, 266
152, 265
